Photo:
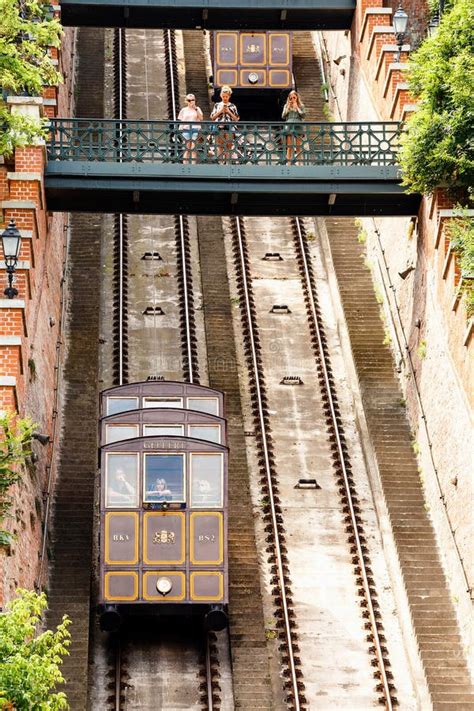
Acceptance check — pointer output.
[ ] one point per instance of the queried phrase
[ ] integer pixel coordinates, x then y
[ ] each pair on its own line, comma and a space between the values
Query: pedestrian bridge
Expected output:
211, 14
244, 168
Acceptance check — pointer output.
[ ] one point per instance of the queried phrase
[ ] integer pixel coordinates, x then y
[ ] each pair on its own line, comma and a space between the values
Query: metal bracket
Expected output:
153, 255
291, 380
153, 311
307, 484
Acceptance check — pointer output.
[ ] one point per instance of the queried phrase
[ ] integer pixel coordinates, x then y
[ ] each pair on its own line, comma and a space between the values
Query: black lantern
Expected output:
433, 25
11, 240
400, 22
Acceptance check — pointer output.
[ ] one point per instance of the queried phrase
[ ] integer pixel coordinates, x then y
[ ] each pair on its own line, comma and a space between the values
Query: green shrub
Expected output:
15, 443
438, 149
26, 32
461, 234
29, 662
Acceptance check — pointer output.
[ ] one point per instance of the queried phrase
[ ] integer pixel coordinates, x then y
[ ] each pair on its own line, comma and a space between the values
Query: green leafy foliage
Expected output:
26, 32
438, 149
17, 130
15, 446
461, 236
30, 662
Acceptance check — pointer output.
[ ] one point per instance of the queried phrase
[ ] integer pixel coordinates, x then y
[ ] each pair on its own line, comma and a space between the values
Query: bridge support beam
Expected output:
228, 198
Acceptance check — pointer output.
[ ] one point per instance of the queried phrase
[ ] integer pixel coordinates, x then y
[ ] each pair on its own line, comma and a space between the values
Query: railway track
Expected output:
276, 540
249, 646
138, 651
277, 551
251, 683
343, 471
274, 518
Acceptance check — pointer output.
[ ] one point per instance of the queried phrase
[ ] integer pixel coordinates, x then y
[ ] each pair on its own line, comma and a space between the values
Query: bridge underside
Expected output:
227, 190
210, 14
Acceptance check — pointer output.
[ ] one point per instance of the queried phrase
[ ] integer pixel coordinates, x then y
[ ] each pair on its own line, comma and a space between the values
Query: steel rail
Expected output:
366, 585
182, 238
120, 97
210, 705
121, 111
171, 66
186, 300
118, 671
121, 282
278, 556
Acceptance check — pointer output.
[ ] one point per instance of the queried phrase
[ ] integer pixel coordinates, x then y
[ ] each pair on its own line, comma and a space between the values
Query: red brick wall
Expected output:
34, 362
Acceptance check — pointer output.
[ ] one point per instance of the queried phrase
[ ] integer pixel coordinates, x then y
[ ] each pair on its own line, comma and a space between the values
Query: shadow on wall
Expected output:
417, 321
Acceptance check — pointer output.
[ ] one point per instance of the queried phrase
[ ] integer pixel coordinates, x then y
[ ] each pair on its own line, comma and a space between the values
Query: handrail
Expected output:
263, 143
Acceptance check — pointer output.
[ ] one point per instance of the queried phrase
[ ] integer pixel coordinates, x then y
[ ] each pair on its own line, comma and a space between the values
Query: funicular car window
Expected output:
211, 433
204, 404
162, 402
164, 478
121, 481
121, 404
115, 433
206, 480
157, 430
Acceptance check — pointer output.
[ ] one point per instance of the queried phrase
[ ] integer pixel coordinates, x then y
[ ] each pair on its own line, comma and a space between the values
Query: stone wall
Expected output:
30, 326
418, 283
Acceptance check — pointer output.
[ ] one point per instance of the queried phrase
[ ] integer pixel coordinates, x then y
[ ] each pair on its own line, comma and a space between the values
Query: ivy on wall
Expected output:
27, 30
438, 149
15, 446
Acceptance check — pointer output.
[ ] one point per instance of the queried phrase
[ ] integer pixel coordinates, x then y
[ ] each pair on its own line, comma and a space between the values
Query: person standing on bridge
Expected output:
225, 114
190, 132
293, 113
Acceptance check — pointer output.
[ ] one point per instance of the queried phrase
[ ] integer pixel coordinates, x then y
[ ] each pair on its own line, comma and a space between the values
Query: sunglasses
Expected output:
190, 99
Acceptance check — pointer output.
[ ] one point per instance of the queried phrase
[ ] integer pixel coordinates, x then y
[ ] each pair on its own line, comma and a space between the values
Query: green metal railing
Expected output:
166, 142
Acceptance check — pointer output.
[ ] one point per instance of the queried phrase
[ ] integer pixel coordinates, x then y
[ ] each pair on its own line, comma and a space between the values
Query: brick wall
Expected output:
29, 335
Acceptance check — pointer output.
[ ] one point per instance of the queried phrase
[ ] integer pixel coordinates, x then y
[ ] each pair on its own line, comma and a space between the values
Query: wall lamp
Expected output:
400, 22
11, 240
433, 25
41, 438
409, 269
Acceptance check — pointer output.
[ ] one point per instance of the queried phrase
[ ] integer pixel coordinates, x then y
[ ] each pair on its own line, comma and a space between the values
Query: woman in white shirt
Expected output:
225, 113
190, 132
